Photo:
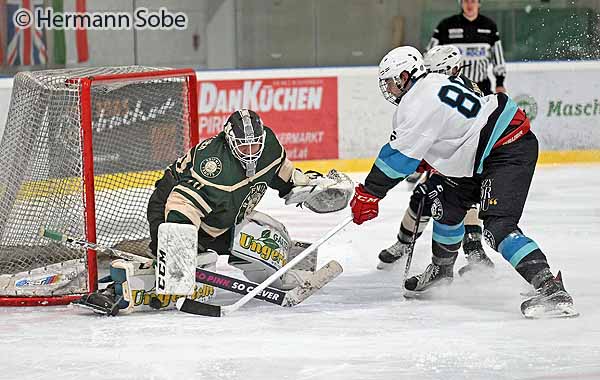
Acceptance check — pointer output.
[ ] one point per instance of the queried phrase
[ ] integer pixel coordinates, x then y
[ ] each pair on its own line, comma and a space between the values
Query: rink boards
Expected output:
338, 113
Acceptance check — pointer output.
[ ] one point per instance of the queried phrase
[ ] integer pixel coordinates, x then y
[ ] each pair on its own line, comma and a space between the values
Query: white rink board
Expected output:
363, 112
359, 326
563, 103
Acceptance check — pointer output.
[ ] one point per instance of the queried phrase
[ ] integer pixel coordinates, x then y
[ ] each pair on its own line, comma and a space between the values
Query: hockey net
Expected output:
80, 153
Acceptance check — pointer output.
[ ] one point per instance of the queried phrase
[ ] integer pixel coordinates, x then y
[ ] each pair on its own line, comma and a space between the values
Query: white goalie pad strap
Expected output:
176, 258
137, 281
329, 193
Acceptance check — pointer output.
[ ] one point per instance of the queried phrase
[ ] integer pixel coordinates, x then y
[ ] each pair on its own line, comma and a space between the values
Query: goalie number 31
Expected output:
465, 103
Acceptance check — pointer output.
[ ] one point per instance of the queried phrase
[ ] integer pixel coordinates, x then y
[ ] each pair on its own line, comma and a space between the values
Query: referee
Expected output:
478, 39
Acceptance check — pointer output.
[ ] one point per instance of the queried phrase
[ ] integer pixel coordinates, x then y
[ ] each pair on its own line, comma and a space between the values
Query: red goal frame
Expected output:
85, 108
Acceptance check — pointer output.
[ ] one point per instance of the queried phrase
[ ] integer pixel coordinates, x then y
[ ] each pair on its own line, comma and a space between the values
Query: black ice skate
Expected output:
551, 301
476, 256
390, 256
433, 277
101, 302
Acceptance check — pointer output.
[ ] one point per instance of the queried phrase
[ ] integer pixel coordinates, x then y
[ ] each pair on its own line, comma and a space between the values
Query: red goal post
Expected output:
81, 151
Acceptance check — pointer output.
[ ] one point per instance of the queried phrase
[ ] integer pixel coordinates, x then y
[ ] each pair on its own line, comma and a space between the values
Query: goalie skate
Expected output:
100, 302
551, 301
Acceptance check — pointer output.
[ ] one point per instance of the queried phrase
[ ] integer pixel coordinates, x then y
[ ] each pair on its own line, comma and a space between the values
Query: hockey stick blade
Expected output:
198, 308
292, 297
318, 280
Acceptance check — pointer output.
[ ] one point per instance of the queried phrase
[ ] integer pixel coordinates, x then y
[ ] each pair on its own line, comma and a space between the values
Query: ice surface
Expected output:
359, 326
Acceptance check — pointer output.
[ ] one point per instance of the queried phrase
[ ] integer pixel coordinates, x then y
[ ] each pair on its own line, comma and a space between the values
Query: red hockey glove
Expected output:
364, 205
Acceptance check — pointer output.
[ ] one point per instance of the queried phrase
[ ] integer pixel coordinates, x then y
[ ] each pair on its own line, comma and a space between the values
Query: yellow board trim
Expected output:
73, 185
148, 178
569, 157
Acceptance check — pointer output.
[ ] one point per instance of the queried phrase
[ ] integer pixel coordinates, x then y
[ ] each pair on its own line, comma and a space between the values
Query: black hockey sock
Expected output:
444, 254
472, 232
534, 268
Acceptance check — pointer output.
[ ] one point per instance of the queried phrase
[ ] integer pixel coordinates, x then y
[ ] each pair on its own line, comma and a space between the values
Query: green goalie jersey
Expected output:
212, 190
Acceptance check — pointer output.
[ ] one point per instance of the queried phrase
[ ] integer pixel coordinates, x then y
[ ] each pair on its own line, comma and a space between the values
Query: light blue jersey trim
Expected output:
448, 235
395, 164
510, 109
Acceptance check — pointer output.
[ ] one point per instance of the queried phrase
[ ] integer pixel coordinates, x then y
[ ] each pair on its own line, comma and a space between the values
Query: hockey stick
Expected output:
57, 236
319, 280
413, 240
235, 285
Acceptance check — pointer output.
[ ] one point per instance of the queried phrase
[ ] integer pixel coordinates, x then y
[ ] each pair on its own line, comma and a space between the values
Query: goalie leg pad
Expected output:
136, 285
262, 245
176, 258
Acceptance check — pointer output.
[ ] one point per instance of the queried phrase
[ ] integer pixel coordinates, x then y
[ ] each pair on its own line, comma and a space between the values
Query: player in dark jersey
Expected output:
446, 60
220, 181
215, 187
478, 39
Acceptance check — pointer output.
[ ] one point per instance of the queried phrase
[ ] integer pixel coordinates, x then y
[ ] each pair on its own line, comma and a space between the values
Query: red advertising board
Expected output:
302, 111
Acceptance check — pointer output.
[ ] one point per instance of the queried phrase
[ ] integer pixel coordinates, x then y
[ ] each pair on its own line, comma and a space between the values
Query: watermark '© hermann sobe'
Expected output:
141, 18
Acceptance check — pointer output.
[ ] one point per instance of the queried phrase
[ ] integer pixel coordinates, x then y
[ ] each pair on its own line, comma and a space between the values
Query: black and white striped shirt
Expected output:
479, 43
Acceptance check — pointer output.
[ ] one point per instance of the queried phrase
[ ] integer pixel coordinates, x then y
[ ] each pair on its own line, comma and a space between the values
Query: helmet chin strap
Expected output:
250, 169
403, 89
409, 83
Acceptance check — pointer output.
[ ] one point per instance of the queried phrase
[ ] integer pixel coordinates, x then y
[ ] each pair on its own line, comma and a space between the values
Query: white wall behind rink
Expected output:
563, 99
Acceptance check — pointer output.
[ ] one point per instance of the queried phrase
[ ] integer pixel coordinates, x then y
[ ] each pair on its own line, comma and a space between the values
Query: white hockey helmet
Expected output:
442, 59
397, 61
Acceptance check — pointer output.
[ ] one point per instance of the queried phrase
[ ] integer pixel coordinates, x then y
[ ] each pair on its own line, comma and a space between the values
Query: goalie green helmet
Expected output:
245, 135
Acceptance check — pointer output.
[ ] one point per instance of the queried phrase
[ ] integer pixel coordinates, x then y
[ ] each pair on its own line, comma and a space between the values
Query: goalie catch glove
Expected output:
319, 193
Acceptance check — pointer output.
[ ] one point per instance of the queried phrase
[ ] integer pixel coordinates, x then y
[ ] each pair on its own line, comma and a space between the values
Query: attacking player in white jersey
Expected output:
443, 59
486, 145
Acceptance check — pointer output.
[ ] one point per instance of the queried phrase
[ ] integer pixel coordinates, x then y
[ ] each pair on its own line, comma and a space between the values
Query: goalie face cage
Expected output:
80, 153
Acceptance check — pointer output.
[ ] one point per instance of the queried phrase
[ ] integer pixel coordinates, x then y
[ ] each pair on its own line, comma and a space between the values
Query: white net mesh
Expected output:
138, 127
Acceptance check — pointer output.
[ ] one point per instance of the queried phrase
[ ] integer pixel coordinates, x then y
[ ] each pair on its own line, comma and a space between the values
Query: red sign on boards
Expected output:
301, 111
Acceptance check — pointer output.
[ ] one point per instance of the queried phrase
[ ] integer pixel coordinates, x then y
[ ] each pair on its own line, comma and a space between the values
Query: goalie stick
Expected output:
319, 279
60, 237
235, 285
